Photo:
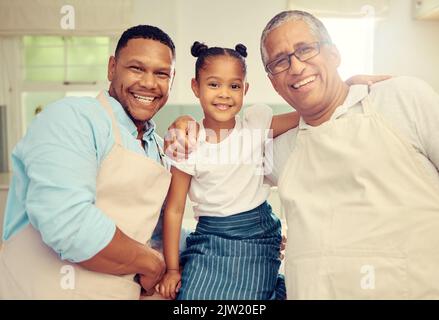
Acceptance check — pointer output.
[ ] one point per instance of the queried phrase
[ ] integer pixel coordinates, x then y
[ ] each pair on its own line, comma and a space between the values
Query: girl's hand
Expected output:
366, 79
170, 284
282, 247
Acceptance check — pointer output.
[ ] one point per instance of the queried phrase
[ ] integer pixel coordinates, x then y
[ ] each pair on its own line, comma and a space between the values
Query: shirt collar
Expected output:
356, 94
123, 118
149, 129
202, 132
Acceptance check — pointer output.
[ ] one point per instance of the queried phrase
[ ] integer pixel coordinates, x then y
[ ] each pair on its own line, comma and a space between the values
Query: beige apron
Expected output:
362, 214
130, 189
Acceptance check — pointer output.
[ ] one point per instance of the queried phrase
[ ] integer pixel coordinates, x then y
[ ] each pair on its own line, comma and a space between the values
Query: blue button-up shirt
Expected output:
55, 167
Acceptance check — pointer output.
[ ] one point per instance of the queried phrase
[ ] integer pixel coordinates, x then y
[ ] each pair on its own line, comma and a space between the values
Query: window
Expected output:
54, 67
65, 59
354, 39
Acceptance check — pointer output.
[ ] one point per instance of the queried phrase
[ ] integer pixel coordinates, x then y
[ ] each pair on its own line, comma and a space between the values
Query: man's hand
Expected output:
147, 284
181, 138
154, 271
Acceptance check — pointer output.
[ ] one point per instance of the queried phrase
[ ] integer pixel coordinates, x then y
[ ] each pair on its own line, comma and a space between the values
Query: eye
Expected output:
136, 68
213, 85
163, 75
280, 62
304, 50
235, 86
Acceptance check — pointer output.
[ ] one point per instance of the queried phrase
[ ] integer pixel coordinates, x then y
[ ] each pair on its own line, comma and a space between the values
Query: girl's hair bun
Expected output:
197, 48
241, 49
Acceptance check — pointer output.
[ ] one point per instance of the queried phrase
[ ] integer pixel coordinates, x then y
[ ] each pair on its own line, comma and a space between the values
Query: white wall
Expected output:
404, 46
223, 23
158, 13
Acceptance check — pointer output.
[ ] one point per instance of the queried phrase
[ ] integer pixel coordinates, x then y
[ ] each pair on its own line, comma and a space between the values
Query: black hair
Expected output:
145, 32
203, 52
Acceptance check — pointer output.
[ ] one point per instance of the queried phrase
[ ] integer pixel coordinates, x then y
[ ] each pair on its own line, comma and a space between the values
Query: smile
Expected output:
144, 99
222, 107
303, 82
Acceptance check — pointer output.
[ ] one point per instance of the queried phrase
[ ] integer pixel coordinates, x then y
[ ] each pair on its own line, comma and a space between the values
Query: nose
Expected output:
148, 80
224, 92
296, 66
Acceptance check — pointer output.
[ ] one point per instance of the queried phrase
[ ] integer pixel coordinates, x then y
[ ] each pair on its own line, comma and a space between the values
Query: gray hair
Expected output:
315, 25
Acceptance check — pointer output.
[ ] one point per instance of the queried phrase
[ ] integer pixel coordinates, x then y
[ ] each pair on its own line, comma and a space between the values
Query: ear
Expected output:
195, 87
111, 71
246, 88
172, 79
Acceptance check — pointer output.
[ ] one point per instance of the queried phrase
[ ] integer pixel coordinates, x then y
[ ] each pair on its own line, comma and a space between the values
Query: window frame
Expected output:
369, 39
27, 86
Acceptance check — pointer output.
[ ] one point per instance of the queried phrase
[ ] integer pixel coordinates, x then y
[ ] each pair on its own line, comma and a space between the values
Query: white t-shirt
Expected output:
408, 104
227, 177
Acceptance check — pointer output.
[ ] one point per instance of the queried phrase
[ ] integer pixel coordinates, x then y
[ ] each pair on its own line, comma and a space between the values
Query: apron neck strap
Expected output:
160, 152
104, 103
367, 105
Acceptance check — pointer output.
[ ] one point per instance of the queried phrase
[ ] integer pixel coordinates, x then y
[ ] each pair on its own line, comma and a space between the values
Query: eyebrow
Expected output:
218, 78
134, 61
138, 62
284, 53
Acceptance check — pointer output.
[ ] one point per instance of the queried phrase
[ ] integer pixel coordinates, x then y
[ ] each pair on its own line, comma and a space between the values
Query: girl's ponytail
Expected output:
241, 49
198, 48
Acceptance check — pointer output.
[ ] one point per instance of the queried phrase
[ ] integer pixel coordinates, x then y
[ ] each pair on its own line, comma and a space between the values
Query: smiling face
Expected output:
310, 86
141, 78
221, 88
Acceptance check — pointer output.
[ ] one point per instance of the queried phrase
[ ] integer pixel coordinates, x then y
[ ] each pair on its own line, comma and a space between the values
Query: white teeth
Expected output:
143, 98
222, 106
303, 82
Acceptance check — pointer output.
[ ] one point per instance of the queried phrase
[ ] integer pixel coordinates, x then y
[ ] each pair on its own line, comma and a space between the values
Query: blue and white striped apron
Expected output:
234, 258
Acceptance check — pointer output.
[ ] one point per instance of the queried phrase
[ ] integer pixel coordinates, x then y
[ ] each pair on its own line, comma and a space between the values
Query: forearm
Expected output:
283, 122
171, 238
366, 79
124, 255
173, 216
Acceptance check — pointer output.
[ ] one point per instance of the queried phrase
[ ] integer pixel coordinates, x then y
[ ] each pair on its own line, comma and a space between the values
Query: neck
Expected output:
221, 129
325, 113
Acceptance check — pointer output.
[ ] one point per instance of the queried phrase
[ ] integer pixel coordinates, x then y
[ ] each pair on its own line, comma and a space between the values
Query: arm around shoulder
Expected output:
283, 122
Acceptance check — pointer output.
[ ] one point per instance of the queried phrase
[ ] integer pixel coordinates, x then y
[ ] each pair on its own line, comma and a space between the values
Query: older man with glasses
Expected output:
358, 178
303, 52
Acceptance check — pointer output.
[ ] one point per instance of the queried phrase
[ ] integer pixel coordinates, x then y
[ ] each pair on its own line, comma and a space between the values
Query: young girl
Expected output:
234, 251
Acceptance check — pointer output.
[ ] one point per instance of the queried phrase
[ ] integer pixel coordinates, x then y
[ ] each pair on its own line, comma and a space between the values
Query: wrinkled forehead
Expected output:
287, 37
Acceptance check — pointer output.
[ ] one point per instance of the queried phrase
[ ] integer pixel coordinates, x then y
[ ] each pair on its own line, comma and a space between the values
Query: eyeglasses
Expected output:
302, 53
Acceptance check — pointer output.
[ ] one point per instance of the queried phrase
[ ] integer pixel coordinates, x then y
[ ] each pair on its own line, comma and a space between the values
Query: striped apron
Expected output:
234, 258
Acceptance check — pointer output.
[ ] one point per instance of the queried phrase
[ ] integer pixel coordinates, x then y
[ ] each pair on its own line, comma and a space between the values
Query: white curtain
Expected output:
10, 57
341, 8
18, 17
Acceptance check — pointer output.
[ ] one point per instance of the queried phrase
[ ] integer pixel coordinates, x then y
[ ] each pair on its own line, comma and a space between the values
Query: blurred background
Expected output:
55, 48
